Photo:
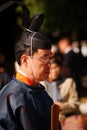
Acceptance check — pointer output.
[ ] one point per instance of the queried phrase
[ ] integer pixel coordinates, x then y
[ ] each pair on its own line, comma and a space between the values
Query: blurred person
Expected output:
69, 56
72, 62
4, 75
62, 91
2, 58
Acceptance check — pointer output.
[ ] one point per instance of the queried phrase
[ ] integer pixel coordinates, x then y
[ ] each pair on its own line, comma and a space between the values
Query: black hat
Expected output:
6, 5
36, 40
31, 36
40, 41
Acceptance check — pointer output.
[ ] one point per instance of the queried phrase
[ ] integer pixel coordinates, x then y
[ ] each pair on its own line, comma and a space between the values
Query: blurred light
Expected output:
75, 46
84, 48
54, 49
84, 81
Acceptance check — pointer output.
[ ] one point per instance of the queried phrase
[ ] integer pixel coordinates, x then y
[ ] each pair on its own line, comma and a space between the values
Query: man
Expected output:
69, 57
24, 104
72, 62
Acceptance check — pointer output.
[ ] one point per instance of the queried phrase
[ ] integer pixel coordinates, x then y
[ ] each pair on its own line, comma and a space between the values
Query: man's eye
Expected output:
44, 58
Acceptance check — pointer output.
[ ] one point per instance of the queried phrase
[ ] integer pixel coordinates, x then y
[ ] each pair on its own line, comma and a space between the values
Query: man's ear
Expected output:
25, 59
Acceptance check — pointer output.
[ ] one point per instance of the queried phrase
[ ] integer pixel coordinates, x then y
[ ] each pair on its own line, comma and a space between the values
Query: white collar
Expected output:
21, 73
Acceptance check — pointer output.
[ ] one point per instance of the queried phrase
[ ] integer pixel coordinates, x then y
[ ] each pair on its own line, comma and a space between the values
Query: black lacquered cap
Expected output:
31, 35
41, 41
38, 40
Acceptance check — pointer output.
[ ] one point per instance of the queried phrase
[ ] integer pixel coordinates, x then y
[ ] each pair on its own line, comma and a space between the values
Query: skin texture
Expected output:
63, 44
33, 67
54, 72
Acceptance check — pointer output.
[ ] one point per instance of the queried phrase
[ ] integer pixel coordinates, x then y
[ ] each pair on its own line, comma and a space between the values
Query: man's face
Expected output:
41, 64
62, 45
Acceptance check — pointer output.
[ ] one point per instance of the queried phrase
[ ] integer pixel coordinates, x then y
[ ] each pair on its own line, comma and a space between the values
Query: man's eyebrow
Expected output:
46, 55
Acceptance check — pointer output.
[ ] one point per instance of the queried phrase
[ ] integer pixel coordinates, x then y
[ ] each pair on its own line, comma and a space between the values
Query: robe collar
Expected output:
21, 77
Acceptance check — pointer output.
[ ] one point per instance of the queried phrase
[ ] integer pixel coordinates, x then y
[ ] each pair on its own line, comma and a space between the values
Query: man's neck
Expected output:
27, 77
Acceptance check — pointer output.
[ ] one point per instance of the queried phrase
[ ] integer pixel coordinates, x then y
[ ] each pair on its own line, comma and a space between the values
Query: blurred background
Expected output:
61, 17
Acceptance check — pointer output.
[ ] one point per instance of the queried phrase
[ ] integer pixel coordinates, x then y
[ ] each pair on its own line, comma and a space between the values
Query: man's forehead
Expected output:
44, 52
63, 41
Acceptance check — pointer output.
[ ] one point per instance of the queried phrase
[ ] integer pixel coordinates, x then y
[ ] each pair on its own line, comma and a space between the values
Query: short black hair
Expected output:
56, 61
21, 48
64, 36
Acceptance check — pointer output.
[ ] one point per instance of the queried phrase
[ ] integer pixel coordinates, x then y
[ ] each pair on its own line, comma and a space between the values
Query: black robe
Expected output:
4, 79
23, 107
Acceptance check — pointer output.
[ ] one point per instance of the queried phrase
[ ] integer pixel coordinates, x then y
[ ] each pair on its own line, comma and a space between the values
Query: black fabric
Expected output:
4, 79
24, 107
33, 25
39, 40
73, 61
6, 5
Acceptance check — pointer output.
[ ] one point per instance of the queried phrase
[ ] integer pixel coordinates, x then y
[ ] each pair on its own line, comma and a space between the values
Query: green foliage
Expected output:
34, 6
65, 15
60, 15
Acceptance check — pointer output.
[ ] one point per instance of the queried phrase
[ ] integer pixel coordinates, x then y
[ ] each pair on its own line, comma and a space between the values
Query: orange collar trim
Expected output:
24, 79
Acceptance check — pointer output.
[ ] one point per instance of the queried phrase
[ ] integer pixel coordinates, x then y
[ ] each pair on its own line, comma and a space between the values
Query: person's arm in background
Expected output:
69, 95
